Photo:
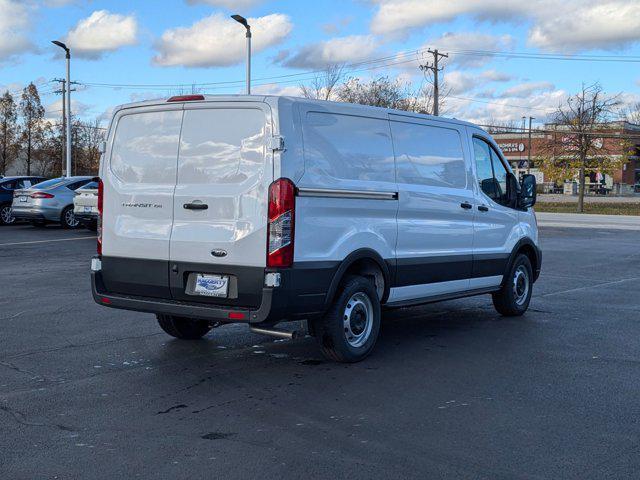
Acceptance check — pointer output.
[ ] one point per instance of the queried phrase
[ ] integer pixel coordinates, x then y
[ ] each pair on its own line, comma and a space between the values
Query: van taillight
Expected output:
100, 204
280, 231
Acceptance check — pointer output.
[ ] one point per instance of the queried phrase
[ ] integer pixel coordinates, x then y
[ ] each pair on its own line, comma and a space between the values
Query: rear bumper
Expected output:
179, 308
83, 217
35, 213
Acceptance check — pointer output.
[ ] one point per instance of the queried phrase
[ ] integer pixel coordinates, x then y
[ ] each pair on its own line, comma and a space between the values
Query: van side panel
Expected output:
436, 209
347, 194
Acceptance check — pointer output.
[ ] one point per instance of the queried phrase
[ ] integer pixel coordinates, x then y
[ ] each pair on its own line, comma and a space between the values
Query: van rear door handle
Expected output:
483, 208
465, 205
196, 206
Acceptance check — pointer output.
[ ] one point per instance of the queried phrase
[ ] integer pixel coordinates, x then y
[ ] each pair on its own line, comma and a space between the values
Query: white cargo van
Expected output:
263, 209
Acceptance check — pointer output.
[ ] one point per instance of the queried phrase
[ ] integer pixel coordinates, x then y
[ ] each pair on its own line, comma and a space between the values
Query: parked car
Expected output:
7, 187
85, 205
48, 201
265, 209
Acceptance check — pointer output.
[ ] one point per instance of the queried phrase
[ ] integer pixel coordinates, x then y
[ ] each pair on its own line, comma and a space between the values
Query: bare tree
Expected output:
387, 93
632, 113
32, 113
503, 126
8, 135
324, 84
579, 147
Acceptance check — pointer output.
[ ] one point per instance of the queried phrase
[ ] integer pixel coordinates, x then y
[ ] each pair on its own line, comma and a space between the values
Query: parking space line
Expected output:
45, 241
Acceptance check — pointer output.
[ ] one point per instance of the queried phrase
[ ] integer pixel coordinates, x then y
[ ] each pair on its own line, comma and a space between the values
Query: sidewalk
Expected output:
583, 220
550, 197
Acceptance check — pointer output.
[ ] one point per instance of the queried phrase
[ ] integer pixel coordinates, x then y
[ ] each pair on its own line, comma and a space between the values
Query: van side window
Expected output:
492, 174
145, 147
429, 155
347, 147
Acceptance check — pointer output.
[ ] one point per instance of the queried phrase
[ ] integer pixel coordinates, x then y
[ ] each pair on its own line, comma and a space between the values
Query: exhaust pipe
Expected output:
278, 333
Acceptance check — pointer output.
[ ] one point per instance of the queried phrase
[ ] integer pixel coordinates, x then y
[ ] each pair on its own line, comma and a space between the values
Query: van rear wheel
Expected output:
184, 328
513, 298
348, 331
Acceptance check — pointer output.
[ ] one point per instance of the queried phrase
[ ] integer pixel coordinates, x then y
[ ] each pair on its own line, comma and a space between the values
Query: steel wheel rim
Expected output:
358, 319
5, 213
520, 285
70, 218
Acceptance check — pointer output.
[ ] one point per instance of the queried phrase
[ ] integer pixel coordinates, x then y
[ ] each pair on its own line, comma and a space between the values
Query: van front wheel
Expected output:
348, 331
513, 298
184, 328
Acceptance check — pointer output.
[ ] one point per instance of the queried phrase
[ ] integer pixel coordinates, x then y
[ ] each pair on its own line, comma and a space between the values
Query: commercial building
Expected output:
518, 151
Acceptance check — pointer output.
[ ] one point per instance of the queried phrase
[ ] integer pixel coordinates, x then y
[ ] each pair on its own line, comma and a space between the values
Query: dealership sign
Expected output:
512, 147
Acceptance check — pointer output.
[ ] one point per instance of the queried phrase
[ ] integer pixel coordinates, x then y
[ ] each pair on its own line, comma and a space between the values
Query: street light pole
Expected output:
529, 147
68, 102
243, 21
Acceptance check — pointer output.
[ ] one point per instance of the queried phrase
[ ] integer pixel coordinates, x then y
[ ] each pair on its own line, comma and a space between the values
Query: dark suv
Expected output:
7, 186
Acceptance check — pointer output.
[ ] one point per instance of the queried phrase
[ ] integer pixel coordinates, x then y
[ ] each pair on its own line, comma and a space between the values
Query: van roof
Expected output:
274, 99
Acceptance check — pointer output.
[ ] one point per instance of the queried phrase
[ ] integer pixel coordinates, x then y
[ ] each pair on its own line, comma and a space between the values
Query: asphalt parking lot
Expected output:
452, 391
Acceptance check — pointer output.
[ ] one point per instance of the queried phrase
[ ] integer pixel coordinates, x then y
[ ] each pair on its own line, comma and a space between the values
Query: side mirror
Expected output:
528, 191
513, 190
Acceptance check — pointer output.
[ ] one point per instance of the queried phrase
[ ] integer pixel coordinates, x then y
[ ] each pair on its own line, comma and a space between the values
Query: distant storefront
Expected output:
515, 147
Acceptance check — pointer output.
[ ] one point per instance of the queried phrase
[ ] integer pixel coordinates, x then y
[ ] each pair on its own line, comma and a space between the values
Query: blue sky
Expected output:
193, 41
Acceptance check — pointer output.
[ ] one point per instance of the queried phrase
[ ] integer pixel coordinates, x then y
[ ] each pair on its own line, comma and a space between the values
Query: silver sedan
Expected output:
48, 201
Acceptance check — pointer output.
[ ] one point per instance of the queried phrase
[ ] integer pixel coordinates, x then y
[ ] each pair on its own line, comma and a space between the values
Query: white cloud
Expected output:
102, 32
14, 24
495, 76
276, 89
570, 25
339, 50
506, 109
460, 82
53, 111
524, 90
459, 41
219, 41
238, 5
59, 3
606, 25
399, 16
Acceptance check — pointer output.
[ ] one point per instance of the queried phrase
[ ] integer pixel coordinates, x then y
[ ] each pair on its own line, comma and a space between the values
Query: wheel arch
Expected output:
531, 250
365, 262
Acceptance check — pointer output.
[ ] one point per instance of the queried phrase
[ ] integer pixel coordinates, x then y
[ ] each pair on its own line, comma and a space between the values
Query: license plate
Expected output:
87, 209
23, 199
211, 285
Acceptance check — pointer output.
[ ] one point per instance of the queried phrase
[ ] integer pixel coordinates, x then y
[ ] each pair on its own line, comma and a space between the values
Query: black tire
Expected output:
184, 328
68, 219
5, 215
513, 298
348, 331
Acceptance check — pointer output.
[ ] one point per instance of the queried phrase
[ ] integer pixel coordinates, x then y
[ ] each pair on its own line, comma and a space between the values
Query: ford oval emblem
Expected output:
219, 253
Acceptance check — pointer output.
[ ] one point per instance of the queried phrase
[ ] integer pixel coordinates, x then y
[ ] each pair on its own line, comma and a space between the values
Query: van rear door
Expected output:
220, 203
139, 177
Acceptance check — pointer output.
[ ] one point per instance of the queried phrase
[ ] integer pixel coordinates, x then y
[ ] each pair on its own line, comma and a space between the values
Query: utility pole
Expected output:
529, 147
63, 91
435, 69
